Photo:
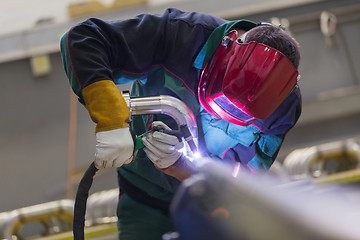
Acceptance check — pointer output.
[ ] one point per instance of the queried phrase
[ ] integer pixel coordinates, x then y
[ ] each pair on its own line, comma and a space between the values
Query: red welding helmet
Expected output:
243, 82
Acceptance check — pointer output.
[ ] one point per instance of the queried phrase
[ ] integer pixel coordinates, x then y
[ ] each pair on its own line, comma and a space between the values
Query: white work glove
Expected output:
114, 148
161, 148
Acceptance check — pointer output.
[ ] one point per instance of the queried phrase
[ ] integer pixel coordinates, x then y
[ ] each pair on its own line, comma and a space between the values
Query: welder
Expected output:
239, 78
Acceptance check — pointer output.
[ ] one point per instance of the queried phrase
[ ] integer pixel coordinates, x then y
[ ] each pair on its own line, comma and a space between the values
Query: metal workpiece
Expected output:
215, 205
166, 105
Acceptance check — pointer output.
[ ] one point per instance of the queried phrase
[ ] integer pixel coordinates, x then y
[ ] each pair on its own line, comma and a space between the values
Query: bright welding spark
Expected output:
197, 155
236, 170
189, 154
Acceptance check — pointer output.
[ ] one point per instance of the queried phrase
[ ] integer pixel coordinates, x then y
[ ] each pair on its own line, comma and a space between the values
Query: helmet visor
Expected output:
243, 82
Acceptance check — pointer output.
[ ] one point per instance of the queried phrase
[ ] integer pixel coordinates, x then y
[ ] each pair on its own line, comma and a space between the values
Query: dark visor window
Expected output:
231, 109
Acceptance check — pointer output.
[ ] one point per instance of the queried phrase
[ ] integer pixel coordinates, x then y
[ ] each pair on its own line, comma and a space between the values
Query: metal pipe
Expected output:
323, 160
54, 216
163, 104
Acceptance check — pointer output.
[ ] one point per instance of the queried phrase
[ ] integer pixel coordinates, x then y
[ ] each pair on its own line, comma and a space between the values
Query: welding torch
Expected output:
183, 132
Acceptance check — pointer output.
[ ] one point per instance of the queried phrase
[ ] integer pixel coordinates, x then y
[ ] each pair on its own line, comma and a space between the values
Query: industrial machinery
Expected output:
51, 217
333, 162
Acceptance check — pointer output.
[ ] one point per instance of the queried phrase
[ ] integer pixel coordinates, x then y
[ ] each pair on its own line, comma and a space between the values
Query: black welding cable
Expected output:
81, 201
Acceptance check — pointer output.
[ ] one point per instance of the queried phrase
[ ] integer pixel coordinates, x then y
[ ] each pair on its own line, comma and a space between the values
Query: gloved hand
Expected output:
114, 148
161, 148
108, 109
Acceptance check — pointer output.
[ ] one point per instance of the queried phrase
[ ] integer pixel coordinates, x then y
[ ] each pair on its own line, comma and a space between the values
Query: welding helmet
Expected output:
243, 82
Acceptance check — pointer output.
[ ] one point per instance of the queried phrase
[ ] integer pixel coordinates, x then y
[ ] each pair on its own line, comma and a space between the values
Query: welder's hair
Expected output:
277, 38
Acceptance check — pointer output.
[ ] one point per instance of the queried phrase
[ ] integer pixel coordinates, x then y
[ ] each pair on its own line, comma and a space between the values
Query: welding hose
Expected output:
82, 195
81, 200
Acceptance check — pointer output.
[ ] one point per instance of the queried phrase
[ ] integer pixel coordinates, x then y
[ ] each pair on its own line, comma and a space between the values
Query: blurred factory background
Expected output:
43, 128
